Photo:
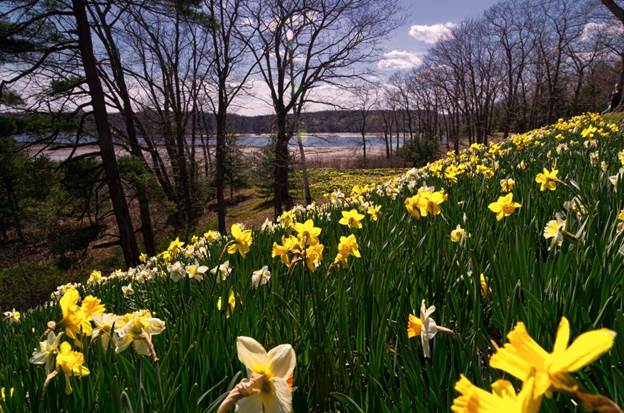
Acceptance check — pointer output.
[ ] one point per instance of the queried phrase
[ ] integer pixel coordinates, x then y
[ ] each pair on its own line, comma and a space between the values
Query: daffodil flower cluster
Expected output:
78, 322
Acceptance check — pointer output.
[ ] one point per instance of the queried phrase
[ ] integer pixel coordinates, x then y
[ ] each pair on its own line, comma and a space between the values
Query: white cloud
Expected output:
399, 60
592, 29
432, 33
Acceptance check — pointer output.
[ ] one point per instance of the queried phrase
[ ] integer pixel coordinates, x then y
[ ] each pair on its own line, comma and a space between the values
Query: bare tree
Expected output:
366, 98
324, 41
229, 71
168, 65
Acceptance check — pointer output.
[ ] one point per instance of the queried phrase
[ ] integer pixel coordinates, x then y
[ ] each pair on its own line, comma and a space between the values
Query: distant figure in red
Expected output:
614, 98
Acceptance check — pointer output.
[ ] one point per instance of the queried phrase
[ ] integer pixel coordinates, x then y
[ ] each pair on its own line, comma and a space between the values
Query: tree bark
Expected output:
282, 199
220, 166
304, 167
105, 141
147, 229
615, 9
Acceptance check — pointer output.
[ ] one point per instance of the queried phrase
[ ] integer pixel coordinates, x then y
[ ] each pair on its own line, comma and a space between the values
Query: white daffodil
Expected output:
425, 327
13, 316
103, 327
269, 373
196, 271
268, 226
176, 271
46, 351
222, 271
127, 290
137, 328
261, 276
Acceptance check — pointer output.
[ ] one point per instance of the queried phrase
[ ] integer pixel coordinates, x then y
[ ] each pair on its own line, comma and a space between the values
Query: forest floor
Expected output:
29, 273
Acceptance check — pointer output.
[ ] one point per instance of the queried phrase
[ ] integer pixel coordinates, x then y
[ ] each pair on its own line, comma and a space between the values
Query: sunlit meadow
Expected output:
489, 281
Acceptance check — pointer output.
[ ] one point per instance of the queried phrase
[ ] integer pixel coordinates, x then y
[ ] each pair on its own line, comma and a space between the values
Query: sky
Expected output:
426, 21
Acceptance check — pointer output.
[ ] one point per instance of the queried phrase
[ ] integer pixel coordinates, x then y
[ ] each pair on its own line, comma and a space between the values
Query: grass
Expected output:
348, 325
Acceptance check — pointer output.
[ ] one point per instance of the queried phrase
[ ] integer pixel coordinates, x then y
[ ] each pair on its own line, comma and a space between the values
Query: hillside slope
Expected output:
447, 234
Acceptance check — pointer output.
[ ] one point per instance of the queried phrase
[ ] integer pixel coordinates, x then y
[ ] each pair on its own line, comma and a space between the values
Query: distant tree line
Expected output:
522, 64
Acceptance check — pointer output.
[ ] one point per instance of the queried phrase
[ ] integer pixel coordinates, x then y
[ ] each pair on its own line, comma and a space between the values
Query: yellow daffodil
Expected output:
503, 398
268, 377
373, 212
507, 185
554, 231
241, 242
547, 179
3, 395
352, 219
261, 276
137, 328
308, 232
425, 202
504, 206
287, 219
143, 257
620, 218
231, 304
314, 256
425, 327
347, 247
174, 247
212, 236
483, 285
459, 234
589, 132
71, 364
289, 244
522, 356
95, 277
77, 319
486, 171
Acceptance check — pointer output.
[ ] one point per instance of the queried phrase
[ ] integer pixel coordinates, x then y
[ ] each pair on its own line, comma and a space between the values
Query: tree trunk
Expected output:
220, 168
105, 141
304, 167
146, 220
282, 199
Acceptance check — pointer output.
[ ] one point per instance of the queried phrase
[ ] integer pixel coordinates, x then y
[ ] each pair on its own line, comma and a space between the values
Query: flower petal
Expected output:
281, 400
250, 404
283, 361
252, 354
563, 336
585, 349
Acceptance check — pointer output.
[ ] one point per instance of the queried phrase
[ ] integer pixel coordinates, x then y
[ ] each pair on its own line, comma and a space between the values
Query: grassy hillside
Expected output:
442, 234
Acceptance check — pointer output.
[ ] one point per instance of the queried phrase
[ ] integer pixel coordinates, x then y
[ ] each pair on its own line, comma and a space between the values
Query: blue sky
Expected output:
426, 20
